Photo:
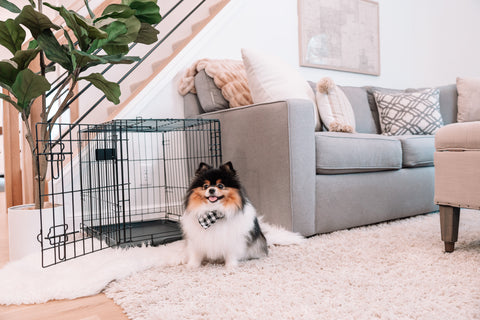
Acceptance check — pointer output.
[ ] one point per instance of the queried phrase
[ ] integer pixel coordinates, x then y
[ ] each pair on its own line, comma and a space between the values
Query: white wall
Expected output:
422, 43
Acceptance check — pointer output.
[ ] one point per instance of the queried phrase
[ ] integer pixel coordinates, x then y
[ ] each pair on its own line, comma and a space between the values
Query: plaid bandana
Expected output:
209, 218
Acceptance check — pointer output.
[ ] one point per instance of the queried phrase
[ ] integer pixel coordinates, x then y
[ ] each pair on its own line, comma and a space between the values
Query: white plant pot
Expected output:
24, 227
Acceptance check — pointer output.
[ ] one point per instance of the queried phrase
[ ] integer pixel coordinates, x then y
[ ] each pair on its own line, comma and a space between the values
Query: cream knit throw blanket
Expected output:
228, 75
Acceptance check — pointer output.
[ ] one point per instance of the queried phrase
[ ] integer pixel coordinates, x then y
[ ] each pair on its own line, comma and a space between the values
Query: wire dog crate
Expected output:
120, 183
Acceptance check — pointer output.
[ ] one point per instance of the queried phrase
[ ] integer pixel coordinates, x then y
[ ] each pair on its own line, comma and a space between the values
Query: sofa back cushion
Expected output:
448, 103
364, 117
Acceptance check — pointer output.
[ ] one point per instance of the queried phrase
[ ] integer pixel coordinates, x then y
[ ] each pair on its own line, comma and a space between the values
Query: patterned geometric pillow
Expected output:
409, 113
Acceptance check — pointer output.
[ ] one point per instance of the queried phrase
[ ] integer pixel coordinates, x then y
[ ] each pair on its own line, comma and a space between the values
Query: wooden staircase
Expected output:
176, 38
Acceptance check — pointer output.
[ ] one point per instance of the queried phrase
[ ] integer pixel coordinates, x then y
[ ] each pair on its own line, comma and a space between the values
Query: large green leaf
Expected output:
120, 59
133, 27
54, 51
9, 6
85, 60
8, 74
110, 89
71, 47
12, 35
27, 87
128, 2
24, 57
116, 11
35, 21
32, 44
114, 29
147, 34
92, 31
69, 17
148, 11
114, 49
10, 100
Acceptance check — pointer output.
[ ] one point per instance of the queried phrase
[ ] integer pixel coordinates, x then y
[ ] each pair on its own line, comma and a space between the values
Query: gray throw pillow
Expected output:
209, 95
409, 113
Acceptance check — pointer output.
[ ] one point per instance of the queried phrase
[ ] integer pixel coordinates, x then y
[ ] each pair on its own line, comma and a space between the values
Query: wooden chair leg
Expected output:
449, 219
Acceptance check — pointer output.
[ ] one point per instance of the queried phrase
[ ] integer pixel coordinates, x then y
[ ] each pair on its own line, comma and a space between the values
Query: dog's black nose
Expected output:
211, 190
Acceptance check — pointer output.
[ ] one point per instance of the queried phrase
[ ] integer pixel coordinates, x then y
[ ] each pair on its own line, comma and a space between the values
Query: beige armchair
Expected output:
457, 175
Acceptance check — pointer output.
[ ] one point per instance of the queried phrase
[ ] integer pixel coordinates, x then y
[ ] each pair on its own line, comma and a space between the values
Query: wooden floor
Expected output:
88, 308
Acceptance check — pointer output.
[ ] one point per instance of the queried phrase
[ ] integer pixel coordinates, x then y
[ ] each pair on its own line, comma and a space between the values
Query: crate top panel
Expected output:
153, 125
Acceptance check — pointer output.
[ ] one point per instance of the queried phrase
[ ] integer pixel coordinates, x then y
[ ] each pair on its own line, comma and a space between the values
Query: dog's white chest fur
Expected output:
226, 240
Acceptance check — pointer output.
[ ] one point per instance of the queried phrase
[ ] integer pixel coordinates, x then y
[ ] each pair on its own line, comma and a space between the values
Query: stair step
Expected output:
196, 27
160, 64
215, 8
111, 110
135, 85
181, 43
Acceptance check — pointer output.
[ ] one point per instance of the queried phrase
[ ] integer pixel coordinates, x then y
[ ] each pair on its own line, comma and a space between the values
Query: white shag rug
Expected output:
25, 281
395, 270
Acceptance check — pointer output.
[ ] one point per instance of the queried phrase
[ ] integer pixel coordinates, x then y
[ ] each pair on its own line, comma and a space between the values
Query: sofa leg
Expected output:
449, 218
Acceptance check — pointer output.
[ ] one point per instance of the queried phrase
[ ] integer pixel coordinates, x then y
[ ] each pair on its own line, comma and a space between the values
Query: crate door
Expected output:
86, 186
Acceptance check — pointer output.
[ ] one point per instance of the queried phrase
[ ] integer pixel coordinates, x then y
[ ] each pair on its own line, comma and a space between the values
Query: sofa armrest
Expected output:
272, 146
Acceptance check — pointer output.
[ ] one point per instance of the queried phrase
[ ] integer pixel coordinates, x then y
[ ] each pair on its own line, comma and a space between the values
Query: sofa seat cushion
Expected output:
338, 152
417, 150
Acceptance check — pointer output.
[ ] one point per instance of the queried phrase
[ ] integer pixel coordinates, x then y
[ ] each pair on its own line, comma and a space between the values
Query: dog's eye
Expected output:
220, 186
205, 186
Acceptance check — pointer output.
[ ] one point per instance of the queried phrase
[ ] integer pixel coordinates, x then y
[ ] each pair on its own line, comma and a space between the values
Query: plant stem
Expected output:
62, 108
57, 95
38, 161
36, 172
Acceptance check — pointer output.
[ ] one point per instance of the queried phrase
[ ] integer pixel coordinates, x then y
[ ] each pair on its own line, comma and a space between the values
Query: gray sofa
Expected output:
317, 182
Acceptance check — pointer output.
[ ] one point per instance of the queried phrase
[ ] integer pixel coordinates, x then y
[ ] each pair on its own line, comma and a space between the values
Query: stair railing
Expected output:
134, 66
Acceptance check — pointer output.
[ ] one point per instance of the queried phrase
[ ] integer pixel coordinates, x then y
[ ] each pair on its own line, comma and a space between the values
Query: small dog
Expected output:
219, 223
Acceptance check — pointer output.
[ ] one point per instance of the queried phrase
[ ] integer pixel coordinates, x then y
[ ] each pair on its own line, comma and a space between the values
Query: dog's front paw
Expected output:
231, 264
193, 265
194, 260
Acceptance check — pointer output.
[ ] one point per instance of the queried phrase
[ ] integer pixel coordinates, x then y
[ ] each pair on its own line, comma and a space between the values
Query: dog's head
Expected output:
215, 187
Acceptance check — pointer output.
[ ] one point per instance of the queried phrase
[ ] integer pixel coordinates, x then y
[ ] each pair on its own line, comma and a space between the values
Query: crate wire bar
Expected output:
120, 183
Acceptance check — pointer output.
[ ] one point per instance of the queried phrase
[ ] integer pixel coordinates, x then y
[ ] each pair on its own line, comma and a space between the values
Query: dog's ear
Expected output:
228, 167
202, 168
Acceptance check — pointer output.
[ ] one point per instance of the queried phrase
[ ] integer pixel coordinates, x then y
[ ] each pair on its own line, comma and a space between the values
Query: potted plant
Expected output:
88, 42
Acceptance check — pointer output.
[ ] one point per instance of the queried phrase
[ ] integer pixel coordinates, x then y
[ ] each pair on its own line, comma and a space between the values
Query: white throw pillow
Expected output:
334, 107
271, 79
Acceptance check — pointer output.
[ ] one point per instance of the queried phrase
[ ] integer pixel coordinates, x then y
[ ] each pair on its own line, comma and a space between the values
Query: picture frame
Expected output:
339, 35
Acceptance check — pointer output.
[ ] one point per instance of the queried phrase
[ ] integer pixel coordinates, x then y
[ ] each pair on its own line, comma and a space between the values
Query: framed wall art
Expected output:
339, 35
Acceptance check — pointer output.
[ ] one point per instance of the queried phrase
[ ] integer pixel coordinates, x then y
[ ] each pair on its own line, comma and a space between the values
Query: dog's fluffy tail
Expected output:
278, 236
